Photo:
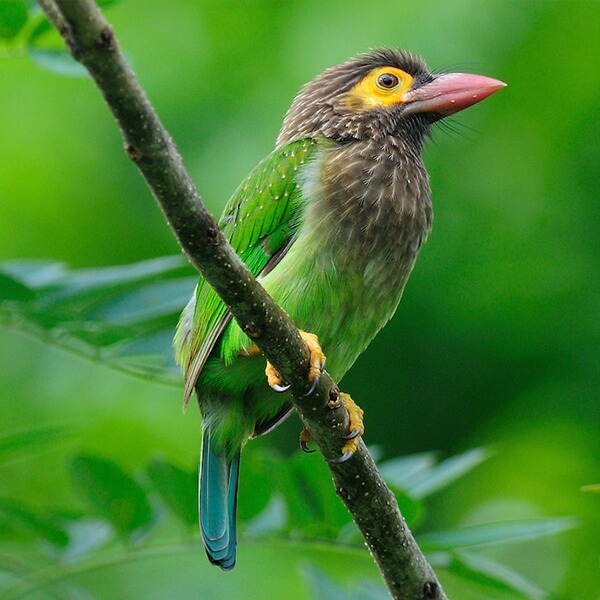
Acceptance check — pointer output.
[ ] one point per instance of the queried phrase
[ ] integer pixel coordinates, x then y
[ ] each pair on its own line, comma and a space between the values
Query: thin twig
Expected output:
372, 506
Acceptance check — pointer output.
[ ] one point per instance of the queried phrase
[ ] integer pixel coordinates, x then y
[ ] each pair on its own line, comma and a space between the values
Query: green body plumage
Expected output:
341, 277
330, 223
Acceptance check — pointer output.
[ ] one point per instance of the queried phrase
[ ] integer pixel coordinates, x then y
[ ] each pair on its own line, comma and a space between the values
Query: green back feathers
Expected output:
259, 221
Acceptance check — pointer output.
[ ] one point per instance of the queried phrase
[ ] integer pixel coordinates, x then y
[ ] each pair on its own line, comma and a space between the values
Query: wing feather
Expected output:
260, 221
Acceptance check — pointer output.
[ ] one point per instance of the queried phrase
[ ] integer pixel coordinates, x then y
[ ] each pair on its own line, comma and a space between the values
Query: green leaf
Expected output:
323, 587
27, 576
30, 439
401, 471
33, 274
493, 574
106, 3
11, 289
427, 481
300, 506
13, 17
496, 533
78, 282
113, 495
178, 569
85, 536
308, 489
412, 510
47, 48
419, 475
176, 487
58, 61
261, 474
272, 519
19, 519
43, 35
13, 570
122, 316
304, 483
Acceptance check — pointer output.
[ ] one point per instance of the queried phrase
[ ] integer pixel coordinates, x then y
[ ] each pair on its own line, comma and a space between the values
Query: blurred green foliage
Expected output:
495, 342
291, 506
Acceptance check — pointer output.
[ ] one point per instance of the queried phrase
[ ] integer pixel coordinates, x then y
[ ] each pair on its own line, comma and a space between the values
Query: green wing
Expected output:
259, 221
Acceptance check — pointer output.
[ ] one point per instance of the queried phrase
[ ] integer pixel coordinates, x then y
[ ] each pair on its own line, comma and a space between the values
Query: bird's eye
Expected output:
387, 81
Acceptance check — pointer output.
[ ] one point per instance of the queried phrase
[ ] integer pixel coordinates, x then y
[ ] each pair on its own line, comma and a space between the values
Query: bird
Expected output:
330, 223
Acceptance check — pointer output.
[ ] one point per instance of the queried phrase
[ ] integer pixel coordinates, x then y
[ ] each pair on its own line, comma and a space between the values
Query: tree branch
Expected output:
358, 483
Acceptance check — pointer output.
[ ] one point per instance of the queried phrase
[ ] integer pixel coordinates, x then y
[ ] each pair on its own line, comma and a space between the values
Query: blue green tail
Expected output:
218, 503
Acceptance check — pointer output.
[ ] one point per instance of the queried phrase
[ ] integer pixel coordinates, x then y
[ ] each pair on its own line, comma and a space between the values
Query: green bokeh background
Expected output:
497, 338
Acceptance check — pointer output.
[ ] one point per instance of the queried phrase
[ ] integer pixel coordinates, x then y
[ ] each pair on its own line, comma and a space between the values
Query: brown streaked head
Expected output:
384, 93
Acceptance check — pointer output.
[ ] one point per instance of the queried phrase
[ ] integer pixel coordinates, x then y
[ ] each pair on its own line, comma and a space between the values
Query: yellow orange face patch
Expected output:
383, 86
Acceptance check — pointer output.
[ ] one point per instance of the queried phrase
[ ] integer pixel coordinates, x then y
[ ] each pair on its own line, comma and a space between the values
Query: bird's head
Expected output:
384, 93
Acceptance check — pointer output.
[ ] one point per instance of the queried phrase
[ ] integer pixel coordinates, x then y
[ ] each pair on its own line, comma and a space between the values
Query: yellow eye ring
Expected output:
387, 81
383, 86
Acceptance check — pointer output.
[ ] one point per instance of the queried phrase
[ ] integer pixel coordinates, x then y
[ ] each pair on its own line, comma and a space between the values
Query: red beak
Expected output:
449, 93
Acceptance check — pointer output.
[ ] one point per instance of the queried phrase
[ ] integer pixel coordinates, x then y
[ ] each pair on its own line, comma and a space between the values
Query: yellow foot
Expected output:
274, 379
356, 426
317, 358
317, 362
250, 350
305, 438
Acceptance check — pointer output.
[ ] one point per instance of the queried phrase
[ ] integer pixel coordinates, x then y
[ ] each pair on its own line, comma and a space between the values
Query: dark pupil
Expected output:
388, 81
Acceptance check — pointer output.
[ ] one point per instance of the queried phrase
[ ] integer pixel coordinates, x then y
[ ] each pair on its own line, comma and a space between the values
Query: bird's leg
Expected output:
317, 363
356, 426
305, 438
250, 350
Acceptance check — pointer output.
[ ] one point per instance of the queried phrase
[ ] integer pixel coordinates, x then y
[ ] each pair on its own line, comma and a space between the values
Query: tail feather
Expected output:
219, 478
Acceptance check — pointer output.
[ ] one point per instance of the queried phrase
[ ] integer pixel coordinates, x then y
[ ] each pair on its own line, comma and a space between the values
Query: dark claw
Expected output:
313, 387
354, 433
304, 447
280, 388
342, 459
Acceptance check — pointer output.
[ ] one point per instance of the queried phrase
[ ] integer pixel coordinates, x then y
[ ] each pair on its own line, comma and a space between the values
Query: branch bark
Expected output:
373, 507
